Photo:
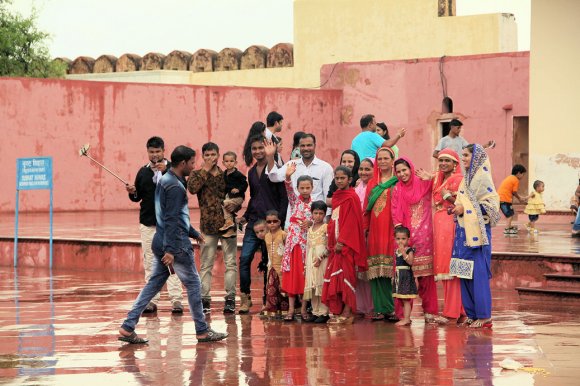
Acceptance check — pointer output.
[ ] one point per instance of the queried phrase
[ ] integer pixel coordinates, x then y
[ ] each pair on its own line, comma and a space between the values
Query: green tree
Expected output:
23, 50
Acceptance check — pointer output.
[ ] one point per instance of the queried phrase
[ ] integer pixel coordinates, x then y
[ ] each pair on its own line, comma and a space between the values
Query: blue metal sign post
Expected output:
32, 174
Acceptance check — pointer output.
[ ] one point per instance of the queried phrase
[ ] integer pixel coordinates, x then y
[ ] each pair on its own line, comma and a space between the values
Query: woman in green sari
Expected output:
380, 240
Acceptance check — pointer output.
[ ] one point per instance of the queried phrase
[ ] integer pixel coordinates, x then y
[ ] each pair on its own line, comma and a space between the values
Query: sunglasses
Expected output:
272, 221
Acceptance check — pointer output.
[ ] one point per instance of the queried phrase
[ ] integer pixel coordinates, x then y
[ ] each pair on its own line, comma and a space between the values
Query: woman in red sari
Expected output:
347, 249
411, 208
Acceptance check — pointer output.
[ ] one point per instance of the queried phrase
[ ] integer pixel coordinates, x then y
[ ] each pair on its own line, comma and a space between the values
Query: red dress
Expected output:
346, 227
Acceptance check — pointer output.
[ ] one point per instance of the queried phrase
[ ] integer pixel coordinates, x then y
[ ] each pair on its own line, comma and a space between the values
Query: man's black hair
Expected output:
309, 135
272, 118
366, 120
155, 142
181, 153
210, 146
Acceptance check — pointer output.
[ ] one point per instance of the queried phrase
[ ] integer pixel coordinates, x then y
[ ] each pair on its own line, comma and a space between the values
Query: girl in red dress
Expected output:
347, 250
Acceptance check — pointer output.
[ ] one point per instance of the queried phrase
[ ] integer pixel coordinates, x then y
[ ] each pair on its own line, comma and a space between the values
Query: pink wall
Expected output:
408, 93
55, 117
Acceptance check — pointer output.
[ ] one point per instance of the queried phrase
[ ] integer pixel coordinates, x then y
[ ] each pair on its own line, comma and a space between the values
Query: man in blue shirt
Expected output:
173, 250
366, 143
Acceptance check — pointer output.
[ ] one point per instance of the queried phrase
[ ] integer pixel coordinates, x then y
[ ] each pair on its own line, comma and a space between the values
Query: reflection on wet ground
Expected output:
61, 330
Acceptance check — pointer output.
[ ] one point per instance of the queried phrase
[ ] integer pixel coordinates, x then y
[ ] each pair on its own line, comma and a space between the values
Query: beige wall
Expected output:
331, 31
555, 98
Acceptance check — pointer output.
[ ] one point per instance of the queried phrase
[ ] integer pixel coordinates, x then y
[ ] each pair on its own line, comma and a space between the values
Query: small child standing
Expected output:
535, 206
295, 250
236, 186
316, 254
261, 230
507, 190
275, 239
404, 286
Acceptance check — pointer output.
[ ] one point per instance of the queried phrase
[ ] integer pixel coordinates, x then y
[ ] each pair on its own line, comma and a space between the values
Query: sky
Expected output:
115, 27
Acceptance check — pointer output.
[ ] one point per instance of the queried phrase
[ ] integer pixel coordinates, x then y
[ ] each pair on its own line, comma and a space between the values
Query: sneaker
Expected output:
212, 336
177, 308
150, 309
206, 306
322, 319
230, 306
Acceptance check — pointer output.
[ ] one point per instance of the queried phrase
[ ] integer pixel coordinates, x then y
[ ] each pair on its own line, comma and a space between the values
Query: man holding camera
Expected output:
143, 191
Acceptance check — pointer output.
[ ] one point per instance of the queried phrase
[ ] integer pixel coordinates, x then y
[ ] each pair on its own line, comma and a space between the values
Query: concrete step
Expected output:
563, 281
551, 293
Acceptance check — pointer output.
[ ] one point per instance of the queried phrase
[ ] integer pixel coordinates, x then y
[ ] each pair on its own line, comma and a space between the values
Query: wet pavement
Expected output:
61, 329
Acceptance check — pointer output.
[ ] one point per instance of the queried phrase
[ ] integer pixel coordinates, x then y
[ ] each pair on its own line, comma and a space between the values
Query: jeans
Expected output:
208, 253
576, 226
184, 266
250, 245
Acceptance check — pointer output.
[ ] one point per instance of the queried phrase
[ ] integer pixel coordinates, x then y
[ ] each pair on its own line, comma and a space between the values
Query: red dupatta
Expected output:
350, 223
452, 183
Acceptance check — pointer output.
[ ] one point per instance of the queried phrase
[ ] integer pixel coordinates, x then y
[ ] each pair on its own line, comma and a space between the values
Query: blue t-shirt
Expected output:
366, 144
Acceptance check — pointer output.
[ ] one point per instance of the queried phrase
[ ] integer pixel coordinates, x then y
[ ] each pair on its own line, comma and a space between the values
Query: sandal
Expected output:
466, 323
481, 324
391, 318
132, 339
289, 317
378, 316
212, 336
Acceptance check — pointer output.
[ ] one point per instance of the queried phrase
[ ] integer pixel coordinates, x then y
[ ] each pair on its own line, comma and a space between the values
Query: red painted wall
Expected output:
56, 117
408, 93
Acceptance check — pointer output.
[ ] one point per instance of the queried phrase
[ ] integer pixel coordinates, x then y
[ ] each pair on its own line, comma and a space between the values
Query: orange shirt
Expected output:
507, 188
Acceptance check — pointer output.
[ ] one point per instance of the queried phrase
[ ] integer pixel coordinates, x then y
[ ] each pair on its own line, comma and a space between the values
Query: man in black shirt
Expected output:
143, 191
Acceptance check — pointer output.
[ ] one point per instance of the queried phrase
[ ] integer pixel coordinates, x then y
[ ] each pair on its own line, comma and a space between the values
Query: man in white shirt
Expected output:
309, 165
456, 142
274, 122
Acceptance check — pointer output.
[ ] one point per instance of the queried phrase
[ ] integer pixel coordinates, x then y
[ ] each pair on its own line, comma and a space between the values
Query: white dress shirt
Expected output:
269, 134
320, 171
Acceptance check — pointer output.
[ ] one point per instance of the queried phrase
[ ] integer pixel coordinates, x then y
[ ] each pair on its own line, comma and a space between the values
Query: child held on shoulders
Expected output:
276, 302
507, 191
404, 286
316, 261
295, 249
261, 230
535, 206
236, 186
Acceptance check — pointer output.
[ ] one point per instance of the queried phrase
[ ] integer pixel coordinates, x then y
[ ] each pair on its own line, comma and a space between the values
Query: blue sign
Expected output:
34, 173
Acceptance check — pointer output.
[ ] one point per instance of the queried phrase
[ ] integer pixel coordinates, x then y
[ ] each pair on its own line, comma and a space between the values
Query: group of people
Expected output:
359, 238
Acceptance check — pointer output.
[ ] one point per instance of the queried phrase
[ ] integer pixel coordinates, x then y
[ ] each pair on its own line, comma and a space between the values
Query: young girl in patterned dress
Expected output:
295, 250
404, 285
275, 240
316, 260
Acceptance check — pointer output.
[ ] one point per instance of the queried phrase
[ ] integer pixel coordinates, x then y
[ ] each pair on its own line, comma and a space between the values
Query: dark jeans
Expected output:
186, 271
250, 245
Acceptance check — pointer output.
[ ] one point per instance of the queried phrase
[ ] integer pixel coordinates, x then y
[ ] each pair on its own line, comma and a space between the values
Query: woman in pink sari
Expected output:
411, 208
